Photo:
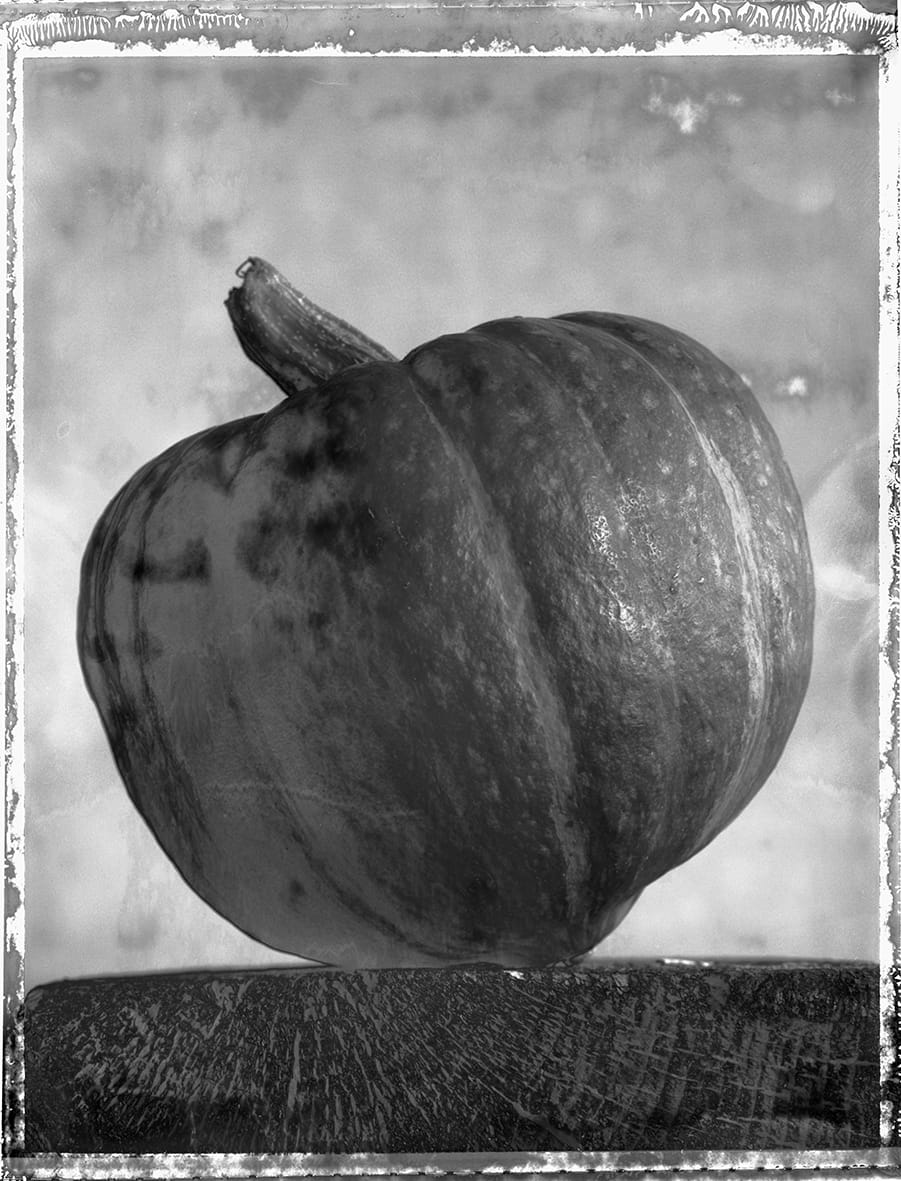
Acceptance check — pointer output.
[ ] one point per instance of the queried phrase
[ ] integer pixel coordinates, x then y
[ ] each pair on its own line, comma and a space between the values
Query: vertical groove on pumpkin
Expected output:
295, 342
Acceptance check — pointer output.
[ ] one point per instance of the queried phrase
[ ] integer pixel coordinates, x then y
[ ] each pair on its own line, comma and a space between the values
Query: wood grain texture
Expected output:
627, 1056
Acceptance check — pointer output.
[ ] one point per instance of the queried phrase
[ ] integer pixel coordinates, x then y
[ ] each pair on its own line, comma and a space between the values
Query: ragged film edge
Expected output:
635, 1165
889, 582
862, 29
13, 686
646, 27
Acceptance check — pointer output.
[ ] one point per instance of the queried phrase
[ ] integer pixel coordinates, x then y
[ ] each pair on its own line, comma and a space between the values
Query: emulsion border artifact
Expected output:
688, 27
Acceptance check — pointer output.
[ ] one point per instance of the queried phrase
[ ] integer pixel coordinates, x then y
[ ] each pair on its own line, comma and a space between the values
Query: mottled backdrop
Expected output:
732, 198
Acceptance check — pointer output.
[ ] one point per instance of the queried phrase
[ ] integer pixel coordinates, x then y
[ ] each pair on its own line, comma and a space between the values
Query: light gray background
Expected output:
733, 198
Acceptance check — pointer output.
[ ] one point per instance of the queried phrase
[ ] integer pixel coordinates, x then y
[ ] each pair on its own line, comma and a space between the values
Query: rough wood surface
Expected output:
627, 1056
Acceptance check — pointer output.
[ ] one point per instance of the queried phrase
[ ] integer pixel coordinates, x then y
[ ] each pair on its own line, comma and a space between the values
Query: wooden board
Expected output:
623, 1056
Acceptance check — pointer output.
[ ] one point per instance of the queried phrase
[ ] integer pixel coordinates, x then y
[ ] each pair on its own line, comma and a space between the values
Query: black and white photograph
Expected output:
451, 652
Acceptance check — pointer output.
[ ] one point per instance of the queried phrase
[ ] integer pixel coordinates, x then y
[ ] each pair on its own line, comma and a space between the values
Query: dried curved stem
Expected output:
292, 339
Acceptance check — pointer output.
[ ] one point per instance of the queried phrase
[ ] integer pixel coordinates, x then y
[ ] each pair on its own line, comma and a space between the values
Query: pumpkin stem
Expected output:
297, 343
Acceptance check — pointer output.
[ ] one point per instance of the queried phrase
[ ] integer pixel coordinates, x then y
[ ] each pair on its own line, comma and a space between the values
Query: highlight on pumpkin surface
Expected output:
373, 684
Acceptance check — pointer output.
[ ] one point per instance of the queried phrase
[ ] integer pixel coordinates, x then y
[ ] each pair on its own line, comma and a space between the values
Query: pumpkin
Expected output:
445, 659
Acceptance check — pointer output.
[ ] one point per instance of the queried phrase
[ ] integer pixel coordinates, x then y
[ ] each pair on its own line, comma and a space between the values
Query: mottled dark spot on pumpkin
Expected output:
333, 452
339, 453
301, 465
295, 890
349, 531
191, 565
260, 544
283, 624
317, 620
326, 528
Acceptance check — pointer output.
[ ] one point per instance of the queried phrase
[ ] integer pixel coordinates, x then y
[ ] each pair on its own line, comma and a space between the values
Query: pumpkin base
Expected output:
608, 1057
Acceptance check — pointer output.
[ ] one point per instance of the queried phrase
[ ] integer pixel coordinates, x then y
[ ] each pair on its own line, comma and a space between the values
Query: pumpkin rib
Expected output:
780, 548
754, 625
627, 551
180, 798
100, 653
586, 805
536, 659
760, 555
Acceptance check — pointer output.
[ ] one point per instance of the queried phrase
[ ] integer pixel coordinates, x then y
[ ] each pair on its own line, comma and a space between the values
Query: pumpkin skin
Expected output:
445, 659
